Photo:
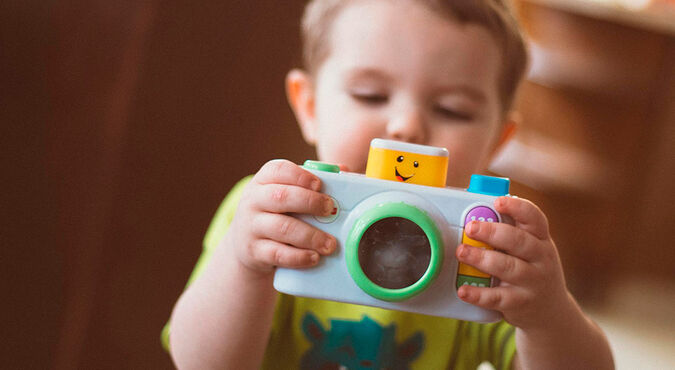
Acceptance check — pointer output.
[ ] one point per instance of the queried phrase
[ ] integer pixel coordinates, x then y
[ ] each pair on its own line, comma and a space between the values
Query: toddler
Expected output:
432, 72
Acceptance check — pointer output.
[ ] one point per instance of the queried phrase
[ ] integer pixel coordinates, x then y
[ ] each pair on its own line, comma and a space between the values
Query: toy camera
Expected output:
397, 228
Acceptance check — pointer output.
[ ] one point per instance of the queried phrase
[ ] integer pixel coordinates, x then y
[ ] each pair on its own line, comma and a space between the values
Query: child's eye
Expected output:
370, 98
453, 113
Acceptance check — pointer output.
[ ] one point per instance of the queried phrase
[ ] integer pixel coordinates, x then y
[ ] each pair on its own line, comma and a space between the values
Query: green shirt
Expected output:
313, 334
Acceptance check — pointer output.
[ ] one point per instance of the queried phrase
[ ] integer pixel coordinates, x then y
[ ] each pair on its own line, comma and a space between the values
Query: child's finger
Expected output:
289, 230
510, 239
507, 268
497, 298
273, 253
281, 171
285, 198
526, 215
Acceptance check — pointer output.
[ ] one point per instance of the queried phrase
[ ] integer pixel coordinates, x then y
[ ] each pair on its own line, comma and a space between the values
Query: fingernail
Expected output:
464, 251
314, 258
328, 247
461, 293
328, 207
474, 227
316, 185
500, 202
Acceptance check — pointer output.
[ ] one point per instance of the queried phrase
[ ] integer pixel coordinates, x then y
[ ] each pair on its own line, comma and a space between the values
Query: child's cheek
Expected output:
345, 151
467, 161
350, 146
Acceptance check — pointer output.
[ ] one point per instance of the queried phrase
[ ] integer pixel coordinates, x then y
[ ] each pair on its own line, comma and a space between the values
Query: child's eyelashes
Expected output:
370, 98
454, 114
380, 98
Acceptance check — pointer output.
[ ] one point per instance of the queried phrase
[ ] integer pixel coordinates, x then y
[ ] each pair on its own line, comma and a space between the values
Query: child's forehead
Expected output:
403, 39
367, 29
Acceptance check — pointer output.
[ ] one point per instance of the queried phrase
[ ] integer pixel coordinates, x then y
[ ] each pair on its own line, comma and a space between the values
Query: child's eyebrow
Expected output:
367, 73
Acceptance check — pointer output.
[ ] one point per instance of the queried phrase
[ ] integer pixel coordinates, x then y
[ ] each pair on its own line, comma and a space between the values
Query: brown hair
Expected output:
494, 15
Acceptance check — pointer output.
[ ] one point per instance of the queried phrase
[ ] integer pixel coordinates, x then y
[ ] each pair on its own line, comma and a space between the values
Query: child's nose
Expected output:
407, 126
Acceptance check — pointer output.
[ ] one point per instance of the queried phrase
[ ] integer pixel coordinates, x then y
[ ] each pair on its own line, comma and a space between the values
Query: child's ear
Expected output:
509, 128
300, 93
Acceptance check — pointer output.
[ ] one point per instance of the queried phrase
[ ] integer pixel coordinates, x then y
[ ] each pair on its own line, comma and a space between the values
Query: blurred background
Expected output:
125, 123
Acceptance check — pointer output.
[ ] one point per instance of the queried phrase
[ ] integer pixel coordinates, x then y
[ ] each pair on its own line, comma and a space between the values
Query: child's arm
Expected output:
552, 331
223, 319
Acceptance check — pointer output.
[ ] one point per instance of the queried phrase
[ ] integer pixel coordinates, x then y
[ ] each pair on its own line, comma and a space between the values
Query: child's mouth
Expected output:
401, 177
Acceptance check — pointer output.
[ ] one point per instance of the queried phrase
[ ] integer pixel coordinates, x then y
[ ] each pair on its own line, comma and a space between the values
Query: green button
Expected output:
321, 166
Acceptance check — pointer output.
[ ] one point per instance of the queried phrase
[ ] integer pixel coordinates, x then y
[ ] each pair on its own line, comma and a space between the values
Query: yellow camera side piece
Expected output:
406, 162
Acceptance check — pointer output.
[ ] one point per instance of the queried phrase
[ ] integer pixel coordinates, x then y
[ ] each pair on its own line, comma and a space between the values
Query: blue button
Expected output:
489, 185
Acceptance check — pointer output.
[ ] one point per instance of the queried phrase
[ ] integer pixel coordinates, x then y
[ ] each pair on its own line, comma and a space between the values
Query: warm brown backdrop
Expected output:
125, 123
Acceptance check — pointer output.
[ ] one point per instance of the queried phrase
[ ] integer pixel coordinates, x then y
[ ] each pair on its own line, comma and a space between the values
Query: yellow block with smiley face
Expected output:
406, 162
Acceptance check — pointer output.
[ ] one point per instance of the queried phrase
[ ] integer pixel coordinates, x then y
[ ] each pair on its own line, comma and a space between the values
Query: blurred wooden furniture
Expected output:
598, 141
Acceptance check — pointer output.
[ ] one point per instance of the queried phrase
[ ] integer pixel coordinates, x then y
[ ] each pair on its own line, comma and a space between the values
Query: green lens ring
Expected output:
365, 221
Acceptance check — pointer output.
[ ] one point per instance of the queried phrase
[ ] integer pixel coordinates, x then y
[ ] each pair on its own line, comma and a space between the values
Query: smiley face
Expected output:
400, 159
409, 163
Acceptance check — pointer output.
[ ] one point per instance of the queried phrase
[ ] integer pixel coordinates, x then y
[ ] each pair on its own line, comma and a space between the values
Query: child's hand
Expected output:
262, 236
532, 284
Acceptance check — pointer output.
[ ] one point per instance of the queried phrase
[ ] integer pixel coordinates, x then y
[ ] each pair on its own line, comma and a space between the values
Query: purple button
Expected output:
481, 213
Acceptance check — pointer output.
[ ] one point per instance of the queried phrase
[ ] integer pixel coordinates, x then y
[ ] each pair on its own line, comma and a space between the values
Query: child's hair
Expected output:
494, 15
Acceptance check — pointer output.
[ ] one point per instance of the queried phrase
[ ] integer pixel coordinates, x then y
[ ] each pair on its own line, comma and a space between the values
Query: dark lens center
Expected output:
394, 253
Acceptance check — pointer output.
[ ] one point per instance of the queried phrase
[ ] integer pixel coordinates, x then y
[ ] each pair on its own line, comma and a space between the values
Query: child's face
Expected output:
397, 71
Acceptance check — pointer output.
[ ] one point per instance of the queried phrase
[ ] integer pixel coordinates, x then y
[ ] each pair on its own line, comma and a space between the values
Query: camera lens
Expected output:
394, 253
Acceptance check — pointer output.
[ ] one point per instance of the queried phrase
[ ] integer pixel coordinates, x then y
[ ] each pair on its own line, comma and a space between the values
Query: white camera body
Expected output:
404, 273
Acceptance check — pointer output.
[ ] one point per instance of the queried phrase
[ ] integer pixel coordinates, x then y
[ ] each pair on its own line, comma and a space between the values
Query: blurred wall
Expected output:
32, 267
127, 124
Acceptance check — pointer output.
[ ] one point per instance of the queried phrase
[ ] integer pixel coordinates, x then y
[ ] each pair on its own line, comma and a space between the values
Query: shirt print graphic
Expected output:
357, 345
